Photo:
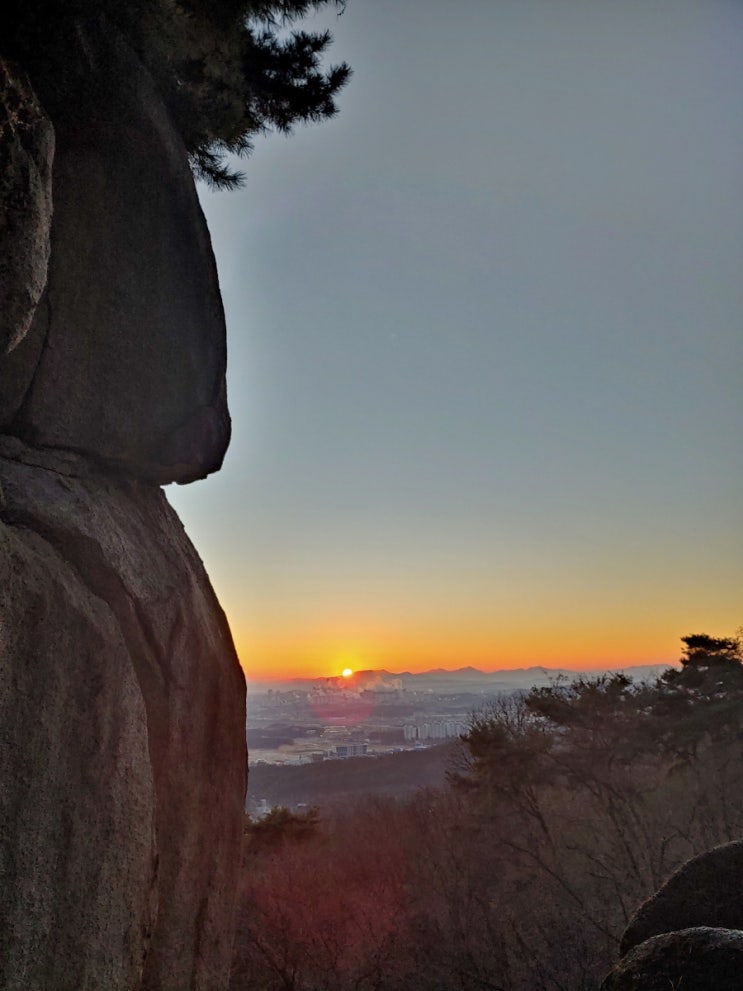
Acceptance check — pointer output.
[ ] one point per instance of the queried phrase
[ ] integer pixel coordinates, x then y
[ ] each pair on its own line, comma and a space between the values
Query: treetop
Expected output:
227, 70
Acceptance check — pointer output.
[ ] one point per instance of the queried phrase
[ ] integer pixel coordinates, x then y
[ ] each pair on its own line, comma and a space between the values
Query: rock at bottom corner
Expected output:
699, 959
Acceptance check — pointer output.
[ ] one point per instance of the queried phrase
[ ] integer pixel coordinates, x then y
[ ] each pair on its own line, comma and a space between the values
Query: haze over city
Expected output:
485, 346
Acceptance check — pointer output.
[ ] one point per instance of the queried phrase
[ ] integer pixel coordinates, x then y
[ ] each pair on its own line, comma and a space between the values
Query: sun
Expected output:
346, 672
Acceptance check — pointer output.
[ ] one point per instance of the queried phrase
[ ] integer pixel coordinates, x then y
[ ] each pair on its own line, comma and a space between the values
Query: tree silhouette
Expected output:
227, 70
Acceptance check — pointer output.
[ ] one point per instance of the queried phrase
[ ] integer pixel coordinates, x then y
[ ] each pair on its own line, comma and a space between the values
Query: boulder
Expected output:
705, 891
122, 712
697, 959
26, 154
131, 369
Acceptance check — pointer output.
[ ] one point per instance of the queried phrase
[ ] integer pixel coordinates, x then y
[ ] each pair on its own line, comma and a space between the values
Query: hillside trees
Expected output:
227, 70
556, 784
567, 807
324, 905
702, 650
702, 701
598, 789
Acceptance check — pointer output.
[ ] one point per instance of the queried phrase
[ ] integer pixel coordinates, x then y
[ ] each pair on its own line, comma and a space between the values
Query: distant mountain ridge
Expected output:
464, 679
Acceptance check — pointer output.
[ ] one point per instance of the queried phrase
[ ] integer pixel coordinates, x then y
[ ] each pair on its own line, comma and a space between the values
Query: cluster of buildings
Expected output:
353, 716
439, 729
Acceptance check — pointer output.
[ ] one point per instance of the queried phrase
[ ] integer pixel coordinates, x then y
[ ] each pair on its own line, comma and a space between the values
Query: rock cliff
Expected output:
122, 702
698, 959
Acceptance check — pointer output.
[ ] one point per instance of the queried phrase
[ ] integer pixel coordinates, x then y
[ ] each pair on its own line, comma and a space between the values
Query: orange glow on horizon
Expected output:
596, 643
286, 662
574, 629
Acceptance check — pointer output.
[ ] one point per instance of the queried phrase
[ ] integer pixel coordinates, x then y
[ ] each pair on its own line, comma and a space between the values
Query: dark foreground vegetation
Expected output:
564, 809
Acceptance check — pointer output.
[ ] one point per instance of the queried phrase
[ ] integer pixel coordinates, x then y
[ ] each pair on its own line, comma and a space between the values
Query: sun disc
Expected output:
346, 672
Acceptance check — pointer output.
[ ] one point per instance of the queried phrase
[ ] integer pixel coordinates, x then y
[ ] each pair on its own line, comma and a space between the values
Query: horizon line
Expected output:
598, 668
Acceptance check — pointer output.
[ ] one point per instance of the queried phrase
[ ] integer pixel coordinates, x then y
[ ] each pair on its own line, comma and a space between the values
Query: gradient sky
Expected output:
486, 345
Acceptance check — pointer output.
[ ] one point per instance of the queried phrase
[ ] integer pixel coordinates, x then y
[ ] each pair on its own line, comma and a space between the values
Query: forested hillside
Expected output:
342, 781
569, 806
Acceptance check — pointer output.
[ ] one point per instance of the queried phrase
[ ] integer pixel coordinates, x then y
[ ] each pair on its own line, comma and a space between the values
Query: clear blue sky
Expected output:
486, 345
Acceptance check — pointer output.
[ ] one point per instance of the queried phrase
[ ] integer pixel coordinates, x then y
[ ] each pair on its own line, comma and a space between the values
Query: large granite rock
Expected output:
121, 738
26, 153
705, 891
78, 857
122, 703
127, 353
699, 959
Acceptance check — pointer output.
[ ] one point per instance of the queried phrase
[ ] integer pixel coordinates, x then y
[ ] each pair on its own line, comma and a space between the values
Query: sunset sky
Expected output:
486, 346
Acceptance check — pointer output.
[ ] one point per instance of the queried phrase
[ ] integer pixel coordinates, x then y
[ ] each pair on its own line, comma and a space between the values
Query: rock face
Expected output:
706, 891
127, 355
122, 702
79, 853
131, 680
701, 959
26, 153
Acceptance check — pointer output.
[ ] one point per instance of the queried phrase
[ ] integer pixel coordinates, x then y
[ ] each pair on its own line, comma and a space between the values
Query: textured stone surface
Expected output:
133, 362
123, 706
706, 891
77, 838
698, 959
26, 154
